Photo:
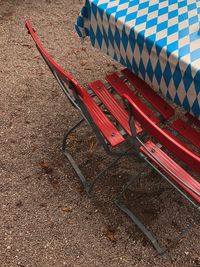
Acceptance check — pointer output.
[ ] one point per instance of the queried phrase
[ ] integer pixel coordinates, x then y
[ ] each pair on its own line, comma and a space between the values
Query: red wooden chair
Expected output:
170, 145
111, 135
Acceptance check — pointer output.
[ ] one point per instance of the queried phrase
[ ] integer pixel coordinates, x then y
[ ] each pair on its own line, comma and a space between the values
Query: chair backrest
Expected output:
73, 90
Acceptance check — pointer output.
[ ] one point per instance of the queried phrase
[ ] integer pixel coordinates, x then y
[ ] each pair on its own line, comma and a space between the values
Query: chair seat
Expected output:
192, 119
113, 106
187, 131
122, 88
107, 128
149, 94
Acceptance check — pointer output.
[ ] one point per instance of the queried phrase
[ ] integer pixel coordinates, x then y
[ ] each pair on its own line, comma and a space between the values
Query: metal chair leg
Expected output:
88, 186
69, 132
69, 156
161, 251
135, 220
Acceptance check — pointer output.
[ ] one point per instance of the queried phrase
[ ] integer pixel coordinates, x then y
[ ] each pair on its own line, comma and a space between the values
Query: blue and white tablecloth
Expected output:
159, 40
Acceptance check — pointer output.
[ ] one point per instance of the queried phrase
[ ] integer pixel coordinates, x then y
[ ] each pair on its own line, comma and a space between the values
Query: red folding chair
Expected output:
144, 127
111, 127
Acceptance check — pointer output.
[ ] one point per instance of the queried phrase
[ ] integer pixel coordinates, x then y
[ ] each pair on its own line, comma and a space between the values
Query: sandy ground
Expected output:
45, 217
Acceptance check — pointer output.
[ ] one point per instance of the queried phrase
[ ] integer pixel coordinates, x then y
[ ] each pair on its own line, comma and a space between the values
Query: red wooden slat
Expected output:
110, 132
149, 94
176, 148
123, 88
184, 176
118, 112
169, 133
187, 131
194, 120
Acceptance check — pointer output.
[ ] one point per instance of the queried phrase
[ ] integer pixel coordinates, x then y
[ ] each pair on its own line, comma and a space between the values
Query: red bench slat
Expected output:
194, 120
107, 128
149, 94
177, 139
187, 131
118, 112
122, 88
182, 152
175, 168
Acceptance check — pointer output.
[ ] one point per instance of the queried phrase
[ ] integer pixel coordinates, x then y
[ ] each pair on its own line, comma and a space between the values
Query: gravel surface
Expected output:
45, 217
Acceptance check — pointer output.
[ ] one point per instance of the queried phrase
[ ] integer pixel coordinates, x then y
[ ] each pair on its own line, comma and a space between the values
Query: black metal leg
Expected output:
69, 132
161, 251
69, 156
136, 221
88, 186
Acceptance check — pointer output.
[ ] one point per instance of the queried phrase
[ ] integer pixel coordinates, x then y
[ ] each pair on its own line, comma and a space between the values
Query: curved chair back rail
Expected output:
66, 77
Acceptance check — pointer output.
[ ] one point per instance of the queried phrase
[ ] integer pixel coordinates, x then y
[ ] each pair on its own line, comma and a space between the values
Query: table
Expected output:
158, 40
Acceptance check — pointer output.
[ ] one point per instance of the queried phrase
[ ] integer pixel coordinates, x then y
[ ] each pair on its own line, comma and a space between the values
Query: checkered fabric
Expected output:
159, 40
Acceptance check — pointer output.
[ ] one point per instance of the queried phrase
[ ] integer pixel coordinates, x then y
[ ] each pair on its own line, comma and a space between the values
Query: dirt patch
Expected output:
46, 219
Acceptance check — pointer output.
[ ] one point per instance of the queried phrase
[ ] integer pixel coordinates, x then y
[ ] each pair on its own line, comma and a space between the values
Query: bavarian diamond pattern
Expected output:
159, 40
